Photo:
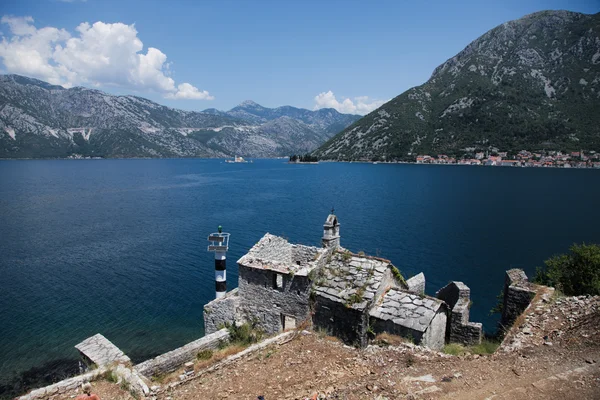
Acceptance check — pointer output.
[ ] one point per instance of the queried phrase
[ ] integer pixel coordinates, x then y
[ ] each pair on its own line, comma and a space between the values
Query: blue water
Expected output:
119, 246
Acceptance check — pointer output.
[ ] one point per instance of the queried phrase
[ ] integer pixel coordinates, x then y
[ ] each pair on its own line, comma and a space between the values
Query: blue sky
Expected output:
219, 53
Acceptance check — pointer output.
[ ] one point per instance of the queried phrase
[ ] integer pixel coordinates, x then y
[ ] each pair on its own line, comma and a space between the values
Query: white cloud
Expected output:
102, 54
360, 105
187, 91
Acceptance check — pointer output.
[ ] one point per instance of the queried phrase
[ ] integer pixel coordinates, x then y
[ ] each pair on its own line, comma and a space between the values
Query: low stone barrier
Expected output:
63, 386
174, 359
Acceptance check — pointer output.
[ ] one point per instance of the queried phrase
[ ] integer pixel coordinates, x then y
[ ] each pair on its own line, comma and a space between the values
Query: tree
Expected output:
575, 273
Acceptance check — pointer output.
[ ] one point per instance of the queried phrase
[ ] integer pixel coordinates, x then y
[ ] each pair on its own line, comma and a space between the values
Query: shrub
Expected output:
244, 334
575, 273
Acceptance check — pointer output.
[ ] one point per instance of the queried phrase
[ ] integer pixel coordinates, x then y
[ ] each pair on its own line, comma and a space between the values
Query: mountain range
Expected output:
40, 120
532, 83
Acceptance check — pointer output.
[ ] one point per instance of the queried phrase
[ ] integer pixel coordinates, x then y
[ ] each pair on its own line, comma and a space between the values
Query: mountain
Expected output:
325, 120
532, 83
40, 120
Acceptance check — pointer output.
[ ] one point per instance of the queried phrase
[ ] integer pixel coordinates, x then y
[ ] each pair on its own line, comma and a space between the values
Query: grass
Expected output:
205, 354
398, 275
454, 349
387, 339
217, 356
111, 376
485, 347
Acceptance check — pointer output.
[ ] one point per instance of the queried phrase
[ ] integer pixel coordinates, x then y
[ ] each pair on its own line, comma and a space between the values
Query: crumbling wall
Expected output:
518, 293
174, 359
263, 301
459, 330
221, 312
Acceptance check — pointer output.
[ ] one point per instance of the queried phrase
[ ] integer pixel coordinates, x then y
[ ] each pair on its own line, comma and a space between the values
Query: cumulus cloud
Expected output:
359, 105
101, 54
187, 91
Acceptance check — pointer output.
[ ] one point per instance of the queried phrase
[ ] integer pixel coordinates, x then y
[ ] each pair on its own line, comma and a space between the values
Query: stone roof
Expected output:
277, 254
407, 309
350, 279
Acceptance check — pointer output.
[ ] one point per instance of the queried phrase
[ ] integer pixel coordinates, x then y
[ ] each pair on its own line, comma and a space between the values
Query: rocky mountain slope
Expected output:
532, 83
39, 120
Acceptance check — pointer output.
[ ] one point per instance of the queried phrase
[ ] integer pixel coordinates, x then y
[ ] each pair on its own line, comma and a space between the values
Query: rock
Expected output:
547, 343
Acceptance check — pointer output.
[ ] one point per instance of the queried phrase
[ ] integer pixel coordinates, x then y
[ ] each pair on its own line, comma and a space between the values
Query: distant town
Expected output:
524, 158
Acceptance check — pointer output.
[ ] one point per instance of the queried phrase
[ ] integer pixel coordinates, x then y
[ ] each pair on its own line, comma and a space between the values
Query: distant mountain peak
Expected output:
249, 103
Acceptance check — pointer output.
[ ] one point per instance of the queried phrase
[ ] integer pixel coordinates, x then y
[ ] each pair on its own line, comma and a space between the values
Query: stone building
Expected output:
351, 296
273, 287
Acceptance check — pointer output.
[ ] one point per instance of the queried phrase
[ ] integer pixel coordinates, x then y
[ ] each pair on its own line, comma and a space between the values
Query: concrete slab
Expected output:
101, 351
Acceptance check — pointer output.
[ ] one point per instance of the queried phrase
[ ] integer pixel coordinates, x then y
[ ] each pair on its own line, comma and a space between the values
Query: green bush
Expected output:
575, 273
244, 334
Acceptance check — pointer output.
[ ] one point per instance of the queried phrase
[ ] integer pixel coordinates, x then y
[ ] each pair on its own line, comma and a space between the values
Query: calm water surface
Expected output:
119, 246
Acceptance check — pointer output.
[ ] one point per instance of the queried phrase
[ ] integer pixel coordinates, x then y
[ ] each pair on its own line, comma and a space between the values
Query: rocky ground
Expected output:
553, 352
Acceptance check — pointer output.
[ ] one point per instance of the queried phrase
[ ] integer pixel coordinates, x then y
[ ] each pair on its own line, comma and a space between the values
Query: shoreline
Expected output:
311, 163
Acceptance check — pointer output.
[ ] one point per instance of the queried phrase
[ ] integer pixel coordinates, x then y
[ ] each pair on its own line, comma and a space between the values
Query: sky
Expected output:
349, 55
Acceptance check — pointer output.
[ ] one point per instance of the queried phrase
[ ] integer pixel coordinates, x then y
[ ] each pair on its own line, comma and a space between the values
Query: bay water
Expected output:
118, 247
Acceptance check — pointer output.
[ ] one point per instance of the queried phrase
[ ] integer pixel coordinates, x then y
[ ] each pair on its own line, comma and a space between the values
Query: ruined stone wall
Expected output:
345, 323
459, 330
435, 335
172, 360
220, 312
262, 301
453, 292
518, 293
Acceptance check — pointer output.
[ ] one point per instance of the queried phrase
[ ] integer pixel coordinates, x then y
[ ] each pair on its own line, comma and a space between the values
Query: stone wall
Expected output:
266, 303
416, 284
172, 360
345, 323
453, 292
459, 330
220, 312
435, 335
518, 293
63, 386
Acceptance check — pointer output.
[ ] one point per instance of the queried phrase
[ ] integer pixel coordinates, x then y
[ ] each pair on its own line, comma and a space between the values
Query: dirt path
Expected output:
556, 357
553, 353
